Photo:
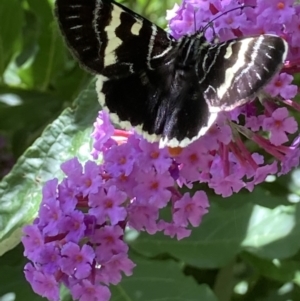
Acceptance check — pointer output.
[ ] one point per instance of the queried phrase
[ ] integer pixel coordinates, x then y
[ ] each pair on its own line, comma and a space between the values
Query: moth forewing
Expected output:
170, 91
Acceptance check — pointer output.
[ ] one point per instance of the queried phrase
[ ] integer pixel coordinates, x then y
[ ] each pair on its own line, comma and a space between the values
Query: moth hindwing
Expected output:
169, 90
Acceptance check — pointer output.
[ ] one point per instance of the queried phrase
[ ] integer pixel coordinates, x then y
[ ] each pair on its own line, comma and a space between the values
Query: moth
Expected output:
169, 90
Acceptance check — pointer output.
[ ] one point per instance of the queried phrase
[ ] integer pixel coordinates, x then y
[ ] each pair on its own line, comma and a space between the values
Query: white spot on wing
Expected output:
86, 48
163, 53
136, 27
286, 49
228, 51
99, 85
268, 56
151, 44
113, 42
75, 6
73, 17
76, 27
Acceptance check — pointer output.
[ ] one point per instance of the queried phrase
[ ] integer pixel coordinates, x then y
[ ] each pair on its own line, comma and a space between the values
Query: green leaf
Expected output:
29, 37
51, 53
269, 195
232, 225
11, 18
12, 277
71, 81
273, 233
287, 292
30, 114
280, 270
160, 280
223, 228
20, 190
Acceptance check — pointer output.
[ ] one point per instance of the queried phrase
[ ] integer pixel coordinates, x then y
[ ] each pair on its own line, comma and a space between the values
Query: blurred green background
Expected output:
247, 247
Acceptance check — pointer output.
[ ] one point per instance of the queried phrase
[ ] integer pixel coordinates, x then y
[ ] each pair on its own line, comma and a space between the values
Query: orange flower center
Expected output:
79, 258
108, 203
109, 239
154, 155
88, 182
175, 151
106, 176
278, 123
229, 21
189, 208
154, 185
76, 225
122, 160
89, 290
280, 5
123, 178
193, 158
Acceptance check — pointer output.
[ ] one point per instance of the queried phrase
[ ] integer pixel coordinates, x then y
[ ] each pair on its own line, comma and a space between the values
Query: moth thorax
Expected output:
187, 54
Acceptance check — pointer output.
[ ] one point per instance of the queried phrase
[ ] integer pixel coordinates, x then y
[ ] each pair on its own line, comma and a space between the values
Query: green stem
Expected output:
224, 283
49, 68
1, 61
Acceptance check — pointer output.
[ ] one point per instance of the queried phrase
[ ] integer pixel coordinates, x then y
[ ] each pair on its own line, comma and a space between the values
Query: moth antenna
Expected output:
210, 23
195, 24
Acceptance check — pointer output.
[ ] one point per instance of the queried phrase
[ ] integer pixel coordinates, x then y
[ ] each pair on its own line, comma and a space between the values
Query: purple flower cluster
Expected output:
77, 238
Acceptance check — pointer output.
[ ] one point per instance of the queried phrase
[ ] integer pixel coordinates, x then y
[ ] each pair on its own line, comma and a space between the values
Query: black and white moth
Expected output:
169, 90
